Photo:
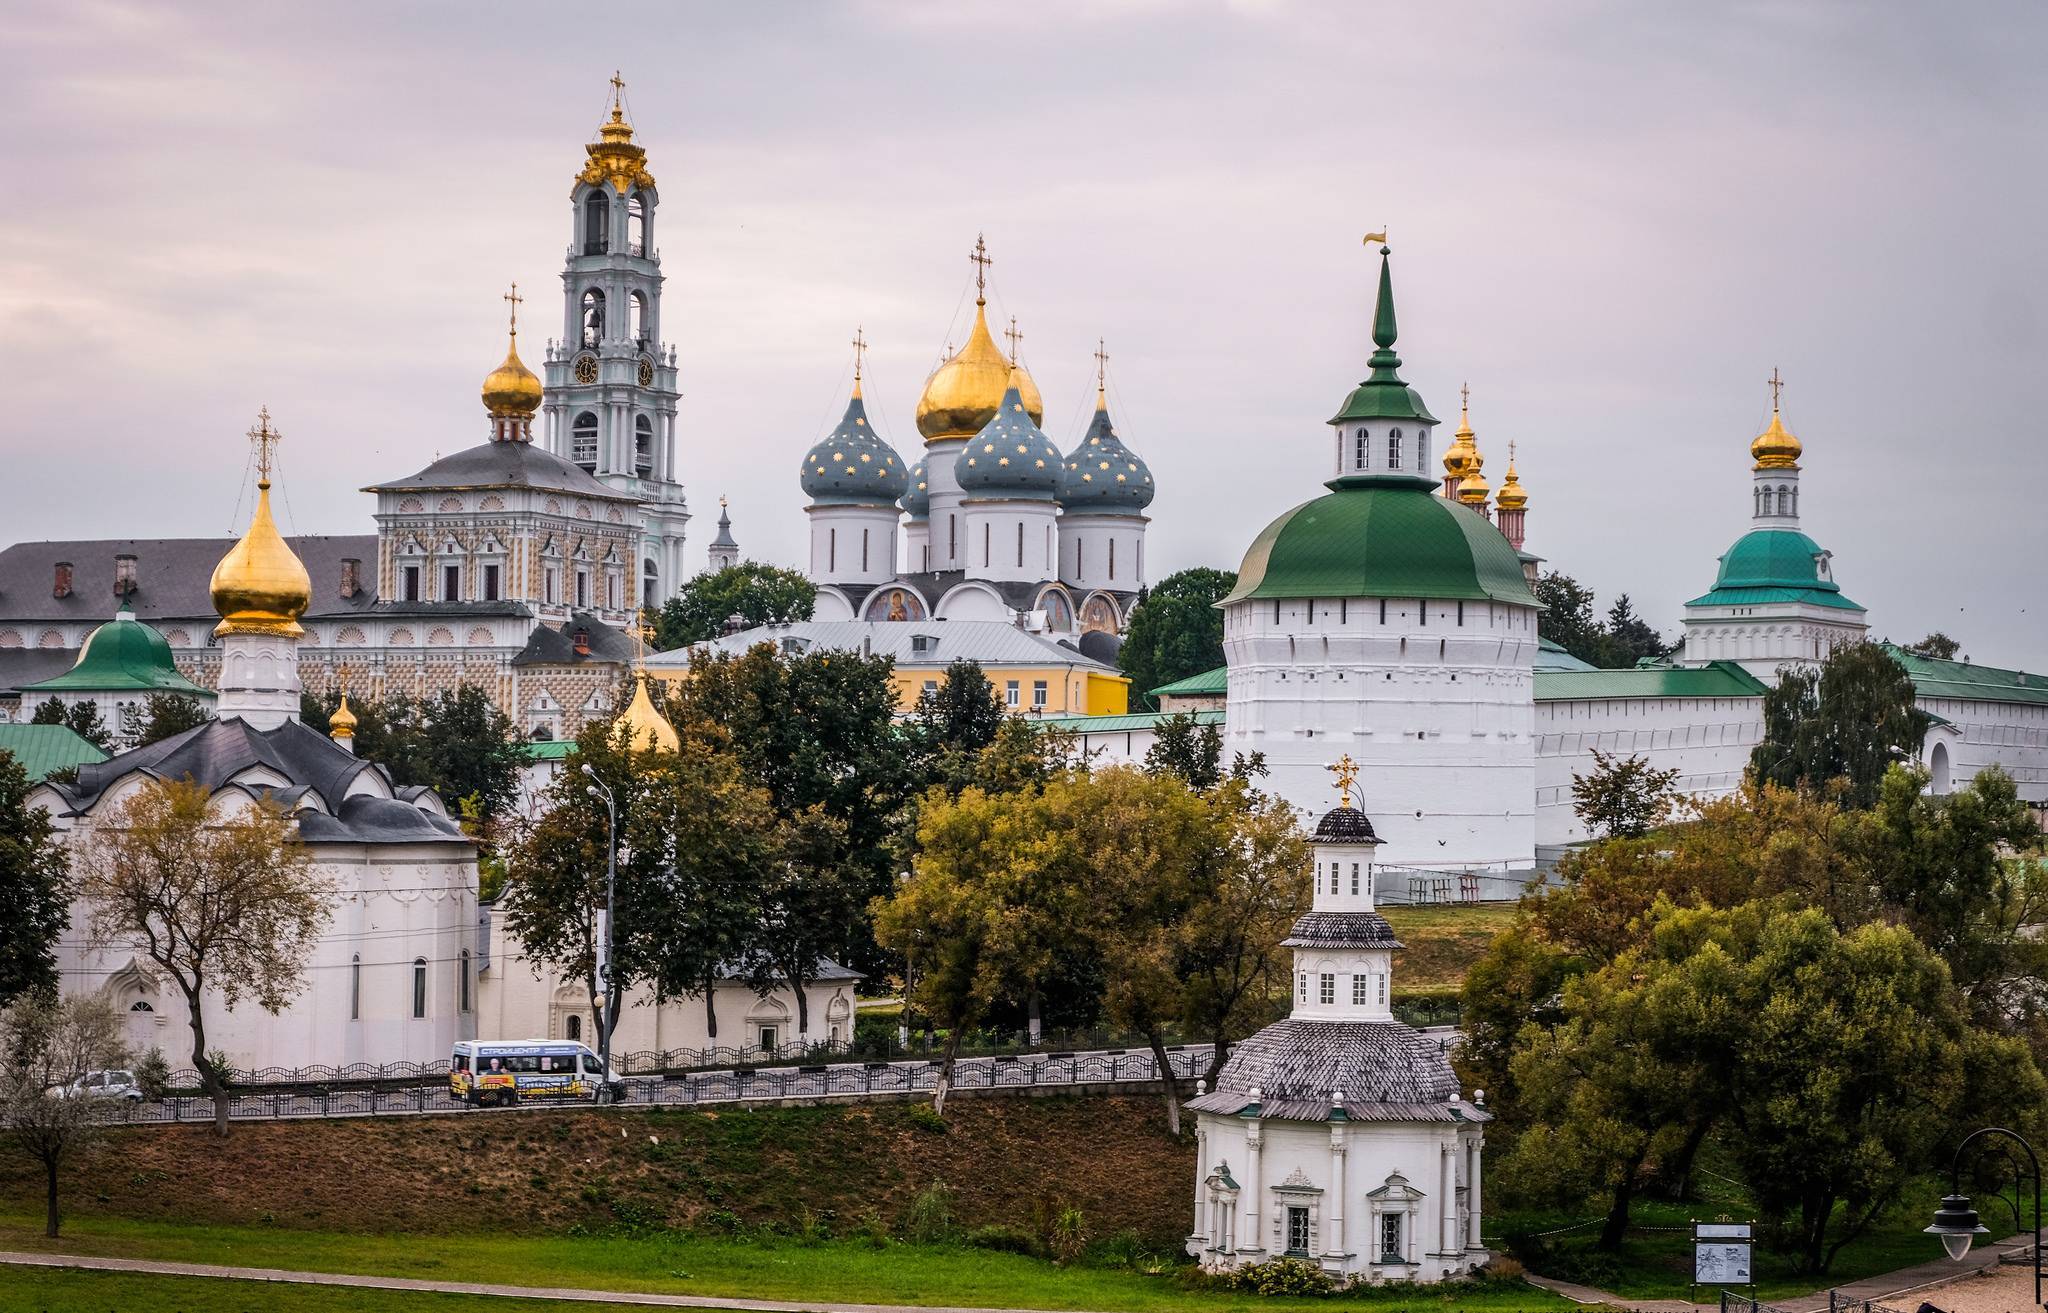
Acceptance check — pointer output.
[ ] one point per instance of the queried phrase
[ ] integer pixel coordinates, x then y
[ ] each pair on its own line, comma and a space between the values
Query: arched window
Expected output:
1795, 501
1421, 437
597, 235
583, 440
1784, 500
419, 988
462, 982
638, 308
643, 446
1394, 450
636, 225
1359, 450
593, 316
573, 1027
650, 585
355, 988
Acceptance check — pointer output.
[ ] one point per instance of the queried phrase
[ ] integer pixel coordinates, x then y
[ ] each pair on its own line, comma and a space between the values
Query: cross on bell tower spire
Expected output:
982, 260
512, 298
1777, 386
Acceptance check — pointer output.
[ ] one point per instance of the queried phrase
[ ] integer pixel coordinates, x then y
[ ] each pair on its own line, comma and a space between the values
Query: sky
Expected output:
1612, 220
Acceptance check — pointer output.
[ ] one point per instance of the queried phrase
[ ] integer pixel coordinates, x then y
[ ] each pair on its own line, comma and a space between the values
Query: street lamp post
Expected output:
599, 790
1956, 1221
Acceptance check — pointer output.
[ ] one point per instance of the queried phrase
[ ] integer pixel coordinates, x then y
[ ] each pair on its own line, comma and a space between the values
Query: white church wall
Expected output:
1103, 551
1011, 541
1707, 740
2012, 736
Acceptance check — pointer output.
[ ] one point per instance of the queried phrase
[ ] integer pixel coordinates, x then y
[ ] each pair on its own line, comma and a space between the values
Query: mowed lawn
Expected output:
70, 1290
837, 1271
1441, 941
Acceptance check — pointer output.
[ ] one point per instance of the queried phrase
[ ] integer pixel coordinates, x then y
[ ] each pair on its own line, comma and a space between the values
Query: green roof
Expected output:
1716, 679
1382, 536
1210, 683
1969, 683
1118, 724
1383, 395
549, 749
1774, 565
44, 748
122, 655
1551, 657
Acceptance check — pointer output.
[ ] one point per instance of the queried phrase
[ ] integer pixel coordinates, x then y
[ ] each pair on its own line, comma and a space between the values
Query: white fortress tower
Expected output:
1396, 626
1338, 1136
611, 380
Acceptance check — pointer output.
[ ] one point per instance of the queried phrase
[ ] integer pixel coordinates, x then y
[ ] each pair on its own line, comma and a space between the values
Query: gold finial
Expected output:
512, 298
264, 437
1014, 337
342, 724
721, 501
860, 352
618, 96
1777, 386
1346, 771
982, 260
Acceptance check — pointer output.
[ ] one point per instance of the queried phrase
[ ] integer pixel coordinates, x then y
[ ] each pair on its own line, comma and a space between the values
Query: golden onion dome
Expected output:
647, 730
1473, 488
511, 391
966, 392
1512, 496
261, 586
1462, 456
342, 724
1775, 448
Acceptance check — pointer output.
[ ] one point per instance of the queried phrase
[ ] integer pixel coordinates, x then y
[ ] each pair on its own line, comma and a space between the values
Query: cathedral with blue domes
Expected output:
993, 521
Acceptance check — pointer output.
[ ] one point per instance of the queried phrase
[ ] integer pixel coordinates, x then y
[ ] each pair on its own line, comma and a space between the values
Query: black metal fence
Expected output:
424, 1088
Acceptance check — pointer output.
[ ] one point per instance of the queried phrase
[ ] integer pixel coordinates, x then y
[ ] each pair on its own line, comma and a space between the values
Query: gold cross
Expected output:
618, 92
1464, 396
982, 261
643, 633
1777, 386
1101, 364
1014, 336
860, 351
1346, 771
514, 299
264, 437
341, 674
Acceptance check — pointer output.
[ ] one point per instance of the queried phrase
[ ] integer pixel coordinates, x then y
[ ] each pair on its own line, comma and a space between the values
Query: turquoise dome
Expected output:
1382, 536
1774, 565
1010, 457
1104, 476
853, 466
917, 498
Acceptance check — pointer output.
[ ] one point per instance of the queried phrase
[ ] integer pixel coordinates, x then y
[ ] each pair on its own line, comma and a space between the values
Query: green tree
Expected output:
1184, 748
1622, 797
33, 888
82, 718
1936, 645
958, 720
46, 1042
163, 716
1567, 618
758, 594
224, 904
818, 731
456, 742
1629, 638
1174, 632
1848, 721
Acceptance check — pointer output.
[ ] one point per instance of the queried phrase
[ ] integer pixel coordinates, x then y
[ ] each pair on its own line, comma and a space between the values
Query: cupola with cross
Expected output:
260, 589
1103, 495
853, 479
611, 380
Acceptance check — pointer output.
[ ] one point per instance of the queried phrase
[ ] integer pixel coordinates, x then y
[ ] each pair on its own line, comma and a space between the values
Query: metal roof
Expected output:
1716, 679
991, 643
1136, 720
1967, 682
1209, 683
172, 577
43, 748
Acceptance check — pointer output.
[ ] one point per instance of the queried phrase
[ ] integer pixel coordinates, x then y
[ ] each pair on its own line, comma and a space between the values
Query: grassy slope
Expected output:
1442, 940
841, 1271
54, 1290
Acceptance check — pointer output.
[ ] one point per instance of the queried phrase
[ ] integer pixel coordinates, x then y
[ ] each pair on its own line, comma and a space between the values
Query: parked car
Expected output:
102, 1085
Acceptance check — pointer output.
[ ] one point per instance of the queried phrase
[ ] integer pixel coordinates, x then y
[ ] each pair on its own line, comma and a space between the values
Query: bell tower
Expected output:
611, 380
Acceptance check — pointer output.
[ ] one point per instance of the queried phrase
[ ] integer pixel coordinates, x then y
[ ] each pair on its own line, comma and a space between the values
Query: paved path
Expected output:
1587, 1295
566, 1293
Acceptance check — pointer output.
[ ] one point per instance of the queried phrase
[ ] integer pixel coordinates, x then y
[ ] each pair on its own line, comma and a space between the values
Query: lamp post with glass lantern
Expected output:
1956, 1222
599, 790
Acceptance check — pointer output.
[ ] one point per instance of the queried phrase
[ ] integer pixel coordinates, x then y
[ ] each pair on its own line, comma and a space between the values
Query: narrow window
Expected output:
412, 583
1383, 610
1297, 1230
551, 586
419, 987
490, 583
1010, 691
582, 588
1422, 612
1039, 693
462, 981
1276, 610
1334, 869
1301, 986
831, 550
1461, 614
451, 583
1020, 544
985, 539
1360, 984
1390, 1238
863, 551
1358, 452
1354, 877
1343, 610
1077, 558
1381, 977
952, 538
573, 1027
1112, 558
355, 988
1326, 988
1394, 450
1420, 436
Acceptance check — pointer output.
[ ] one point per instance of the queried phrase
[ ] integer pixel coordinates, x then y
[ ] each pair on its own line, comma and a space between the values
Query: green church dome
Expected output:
1385, 536
122, 655
1775, 565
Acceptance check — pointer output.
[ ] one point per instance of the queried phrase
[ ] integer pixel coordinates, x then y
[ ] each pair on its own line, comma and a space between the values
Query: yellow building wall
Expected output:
1068, 691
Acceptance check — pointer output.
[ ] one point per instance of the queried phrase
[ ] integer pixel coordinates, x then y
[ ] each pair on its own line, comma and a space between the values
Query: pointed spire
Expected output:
1385, 331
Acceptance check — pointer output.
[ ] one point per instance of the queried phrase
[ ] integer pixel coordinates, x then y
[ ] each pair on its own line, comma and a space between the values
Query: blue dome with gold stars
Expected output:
917, 499
853, 466
1011, 456
1104, 476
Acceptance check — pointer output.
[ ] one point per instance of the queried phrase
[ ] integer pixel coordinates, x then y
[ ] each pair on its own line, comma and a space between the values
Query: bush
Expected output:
928, 1119
1069, 1237
153, 1075
872, 1228
1126, 1251
1282, 1276
931, 1215
1004, 1240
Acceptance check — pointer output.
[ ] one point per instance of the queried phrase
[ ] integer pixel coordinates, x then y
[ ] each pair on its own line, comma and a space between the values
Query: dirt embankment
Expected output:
1006, 1160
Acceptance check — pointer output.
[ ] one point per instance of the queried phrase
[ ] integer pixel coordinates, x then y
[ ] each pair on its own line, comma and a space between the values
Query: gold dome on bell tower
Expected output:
1775, 448
966, 392
261, 586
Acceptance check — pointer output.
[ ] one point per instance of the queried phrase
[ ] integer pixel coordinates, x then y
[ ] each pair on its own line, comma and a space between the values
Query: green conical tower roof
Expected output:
1383, 395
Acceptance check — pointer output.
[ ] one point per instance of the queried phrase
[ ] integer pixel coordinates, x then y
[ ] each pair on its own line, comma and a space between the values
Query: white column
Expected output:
1201, 1171
1447, 1233
1472, 1237
1334, 1239
1254, 1191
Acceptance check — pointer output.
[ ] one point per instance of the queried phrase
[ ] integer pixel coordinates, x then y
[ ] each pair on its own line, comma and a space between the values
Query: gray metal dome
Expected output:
1010, 457
853, 466
917, 498
1103, 475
